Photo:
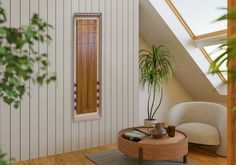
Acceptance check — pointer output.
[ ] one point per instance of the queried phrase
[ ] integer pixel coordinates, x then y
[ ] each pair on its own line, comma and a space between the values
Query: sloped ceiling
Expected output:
154, 30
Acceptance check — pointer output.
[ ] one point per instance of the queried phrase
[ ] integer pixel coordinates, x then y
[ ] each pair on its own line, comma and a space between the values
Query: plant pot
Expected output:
148, 122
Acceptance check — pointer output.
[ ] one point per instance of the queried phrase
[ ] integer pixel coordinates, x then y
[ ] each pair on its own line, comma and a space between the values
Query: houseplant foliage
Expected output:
156, 67
229, 51
3, 161
18, 58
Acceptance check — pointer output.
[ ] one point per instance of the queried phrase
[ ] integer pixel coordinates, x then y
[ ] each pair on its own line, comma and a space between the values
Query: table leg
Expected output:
140, 156
185, 159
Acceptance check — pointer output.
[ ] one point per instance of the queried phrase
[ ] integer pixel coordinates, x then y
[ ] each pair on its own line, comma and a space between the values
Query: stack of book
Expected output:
135, 135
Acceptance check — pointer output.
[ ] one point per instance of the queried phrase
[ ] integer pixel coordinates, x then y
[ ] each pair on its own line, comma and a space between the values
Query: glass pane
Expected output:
201, 14
214, 51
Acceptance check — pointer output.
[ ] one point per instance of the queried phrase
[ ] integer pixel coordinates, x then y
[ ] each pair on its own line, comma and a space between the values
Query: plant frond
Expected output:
155, 68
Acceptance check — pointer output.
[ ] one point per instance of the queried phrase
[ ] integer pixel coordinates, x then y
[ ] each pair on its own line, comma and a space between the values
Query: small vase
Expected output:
148, 122
158, 131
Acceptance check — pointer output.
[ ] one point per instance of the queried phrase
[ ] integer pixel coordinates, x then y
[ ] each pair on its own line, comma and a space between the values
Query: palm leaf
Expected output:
155, 68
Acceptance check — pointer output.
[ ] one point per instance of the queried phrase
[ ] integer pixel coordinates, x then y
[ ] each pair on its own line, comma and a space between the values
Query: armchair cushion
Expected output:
200, 133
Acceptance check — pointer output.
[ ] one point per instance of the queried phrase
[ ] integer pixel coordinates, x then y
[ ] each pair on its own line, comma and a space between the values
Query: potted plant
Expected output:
156, 67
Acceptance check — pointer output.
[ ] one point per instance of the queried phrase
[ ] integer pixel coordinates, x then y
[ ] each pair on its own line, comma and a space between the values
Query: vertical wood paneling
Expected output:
114, 70
52, 87
107, 73
43, 93
88, 134
25, 118
131, 63
75, 125
125, 77
88, 5
95, 123
135, 62
119, 66
44, 125
5, 123
60, 75
68, 88
103, 119
15, 113
34, 96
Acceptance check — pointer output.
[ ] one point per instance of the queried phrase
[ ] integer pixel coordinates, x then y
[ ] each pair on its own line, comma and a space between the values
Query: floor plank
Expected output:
196, 155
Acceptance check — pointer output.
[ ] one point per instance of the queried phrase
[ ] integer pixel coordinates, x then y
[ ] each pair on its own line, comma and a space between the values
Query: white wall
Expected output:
166, 29
44, 124
174, 93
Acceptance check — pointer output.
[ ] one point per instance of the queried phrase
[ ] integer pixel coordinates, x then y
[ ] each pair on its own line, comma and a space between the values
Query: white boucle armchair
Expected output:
204, 122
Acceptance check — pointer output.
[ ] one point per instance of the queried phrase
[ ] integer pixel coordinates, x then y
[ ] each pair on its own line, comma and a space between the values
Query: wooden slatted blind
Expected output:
87, 74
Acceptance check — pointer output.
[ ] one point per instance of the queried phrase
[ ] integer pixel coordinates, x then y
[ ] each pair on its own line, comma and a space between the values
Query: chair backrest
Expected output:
202, 112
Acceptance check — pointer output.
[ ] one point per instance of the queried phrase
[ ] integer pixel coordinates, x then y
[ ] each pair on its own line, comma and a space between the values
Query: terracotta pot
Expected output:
148, 122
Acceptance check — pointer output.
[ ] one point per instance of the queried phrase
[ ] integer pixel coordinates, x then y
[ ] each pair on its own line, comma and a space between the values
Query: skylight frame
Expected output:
187, 27
197, 37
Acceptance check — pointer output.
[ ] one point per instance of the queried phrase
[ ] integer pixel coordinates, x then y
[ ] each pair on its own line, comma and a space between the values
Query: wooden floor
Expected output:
196, 155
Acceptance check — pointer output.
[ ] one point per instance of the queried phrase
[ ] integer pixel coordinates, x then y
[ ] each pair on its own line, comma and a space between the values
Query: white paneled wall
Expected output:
44, 123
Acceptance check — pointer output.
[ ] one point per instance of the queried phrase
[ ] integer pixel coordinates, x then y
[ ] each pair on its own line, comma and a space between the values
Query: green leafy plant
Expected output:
3, 160
228, 47
156, 68
229, 51
18, 58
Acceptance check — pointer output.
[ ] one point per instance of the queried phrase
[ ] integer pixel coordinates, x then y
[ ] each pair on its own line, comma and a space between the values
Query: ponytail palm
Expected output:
156, 68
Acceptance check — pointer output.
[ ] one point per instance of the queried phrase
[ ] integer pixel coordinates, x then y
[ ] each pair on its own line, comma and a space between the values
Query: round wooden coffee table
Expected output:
166, 148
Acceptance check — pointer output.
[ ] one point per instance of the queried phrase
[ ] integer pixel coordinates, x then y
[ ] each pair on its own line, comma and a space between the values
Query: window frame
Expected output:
197, 37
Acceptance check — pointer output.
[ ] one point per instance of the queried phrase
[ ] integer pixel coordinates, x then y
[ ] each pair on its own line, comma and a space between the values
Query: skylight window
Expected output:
199, 15
197, 18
